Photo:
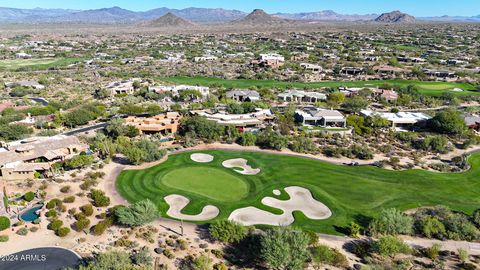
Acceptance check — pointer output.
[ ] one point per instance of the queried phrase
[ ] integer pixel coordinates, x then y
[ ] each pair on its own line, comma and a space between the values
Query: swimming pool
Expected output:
30, 214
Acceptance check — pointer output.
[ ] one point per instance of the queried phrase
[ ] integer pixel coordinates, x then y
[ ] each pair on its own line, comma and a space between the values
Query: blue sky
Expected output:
414, 7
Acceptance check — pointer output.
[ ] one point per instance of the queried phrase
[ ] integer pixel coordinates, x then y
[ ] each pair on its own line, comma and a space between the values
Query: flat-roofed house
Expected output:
165, 123
401, 120
311, 67
321, 117
301, 96
22, 159
243, 122
243, 95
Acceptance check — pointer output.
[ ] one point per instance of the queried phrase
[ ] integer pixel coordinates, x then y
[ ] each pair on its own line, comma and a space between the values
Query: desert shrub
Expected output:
34, 229
99, 198
22, 231
55, 224
53, 203
142, 257
227, 231
63, 231
282, 248
433, 251
168, 253
102, 226
51, 213
81, 224
431, 227
324, 255
87, 209
389, 246
138, 214
69, 199
65, 189
29, 196
391, 222
220, 266
4, 223
4, 238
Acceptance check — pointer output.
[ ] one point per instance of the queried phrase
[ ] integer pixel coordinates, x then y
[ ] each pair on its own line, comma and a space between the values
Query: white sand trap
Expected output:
178, 202
300, 200
240, 163
276, 192
201, 158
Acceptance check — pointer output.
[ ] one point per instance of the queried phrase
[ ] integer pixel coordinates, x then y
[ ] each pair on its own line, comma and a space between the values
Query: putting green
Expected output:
207, 181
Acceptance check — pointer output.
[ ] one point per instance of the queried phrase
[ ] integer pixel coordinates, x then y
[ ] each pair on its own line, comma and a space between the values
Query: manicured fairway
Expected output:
351, 193
209, 182
427, 88
36, 64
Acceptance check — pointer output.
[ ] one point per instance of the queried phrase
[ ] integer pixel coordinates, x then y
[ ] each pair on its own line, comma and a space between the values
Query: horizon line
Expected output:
277, 12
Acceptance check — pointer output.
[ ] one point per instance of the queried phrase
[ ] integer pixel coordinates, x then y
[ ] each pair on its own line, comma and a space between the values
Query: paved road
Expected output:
85, 129
40, 100
49, 258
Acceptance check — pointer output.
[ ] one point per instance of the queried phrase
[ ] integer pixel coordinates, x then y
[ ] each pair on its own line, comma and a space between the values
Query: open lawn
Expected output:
35, 64
351, 193
427, 88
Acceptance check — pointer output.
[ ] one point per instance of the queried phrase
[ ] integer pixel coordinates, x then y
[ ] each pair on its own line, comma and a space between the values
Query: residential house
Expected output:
301, 96
321, 117
176, 90
351, 71
311, 67
401, 120
122, 87
243, 95
271, 60
442, 74
244, 122
389, 95
165, 123
23, 159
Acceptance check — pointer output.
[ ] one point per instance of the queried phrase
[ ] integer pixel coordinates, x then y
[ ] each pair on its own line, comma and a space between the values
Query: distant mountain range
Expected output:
326, 15
119, 15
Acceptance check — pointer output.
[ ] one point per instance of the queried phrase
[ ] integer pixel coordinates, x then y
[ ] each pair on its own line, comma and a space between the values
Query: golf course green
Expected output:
352, 193
209, 182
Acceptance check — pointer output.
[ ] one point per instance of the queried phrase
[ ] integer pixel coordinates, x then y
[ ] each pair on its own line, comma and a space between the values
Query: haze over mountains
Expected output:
119, 15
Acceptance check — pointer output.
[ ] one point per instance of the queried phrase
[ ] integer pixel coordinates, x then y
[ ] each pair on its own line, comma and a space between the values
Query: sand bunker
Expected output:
178, 202
277, 192
300, 200
201, 158
240, 163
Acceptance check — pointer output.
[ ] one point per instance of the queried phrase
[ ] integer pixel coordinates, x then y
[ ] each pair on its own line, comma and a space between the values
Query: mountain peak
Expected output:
395, 17
259, 16
169, 20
